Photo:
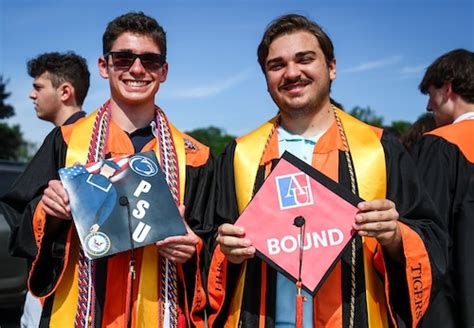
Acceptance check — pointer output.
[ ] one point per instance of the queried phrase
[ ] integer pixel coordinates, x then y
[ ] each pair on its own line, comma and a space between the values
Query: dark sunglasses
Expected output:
125, 59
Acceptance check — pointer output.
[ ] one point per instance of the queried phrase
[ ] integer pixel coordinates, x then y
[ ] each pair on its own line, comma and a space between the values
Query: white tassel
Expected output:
166, 320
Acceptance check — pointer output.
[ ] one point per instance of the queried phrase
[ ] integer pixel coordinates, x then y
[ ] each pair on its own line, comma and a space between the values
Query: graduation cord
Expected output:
85, 311
123, 200
272, 131
169, 164
353, 242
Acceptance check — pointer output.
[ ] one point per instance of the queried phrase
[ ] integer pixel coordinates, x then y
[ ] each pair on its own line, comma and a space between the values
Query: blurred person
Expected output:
445, 158
158, 285
385, 276
423, 124
393, 131
60, 85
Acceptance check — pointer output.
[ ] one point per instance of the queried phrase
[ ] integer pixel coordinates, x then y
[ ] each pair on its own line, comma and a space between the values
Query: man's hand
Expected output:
56, 201
379, 219
233, 243
179, 249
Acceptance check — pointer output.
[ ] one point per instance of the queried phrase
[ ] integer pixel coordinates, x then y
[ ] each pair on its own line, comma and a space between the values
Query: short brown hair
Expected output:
291, 23
134, 22
455, 67
63, 67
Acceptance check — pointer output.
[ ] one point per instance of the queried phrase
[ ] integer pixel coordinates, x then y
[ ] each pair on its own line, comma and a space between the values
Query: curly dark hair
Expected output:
455, 67
134, 22
291, 23
63, 67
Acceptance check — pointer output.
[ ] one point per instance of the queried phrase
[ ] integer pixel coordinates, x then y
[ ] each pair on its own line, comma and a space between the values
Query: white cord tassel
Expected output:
167, 319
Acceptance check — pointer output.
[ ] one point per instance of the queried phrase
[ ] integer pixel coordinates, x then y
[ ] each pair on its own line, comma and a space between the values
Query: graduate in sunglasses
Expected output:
157, 285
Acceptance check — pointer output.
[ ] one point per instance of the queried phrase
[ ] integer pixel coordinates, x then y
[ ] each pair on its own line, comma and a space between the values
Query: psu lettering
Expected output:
142, 229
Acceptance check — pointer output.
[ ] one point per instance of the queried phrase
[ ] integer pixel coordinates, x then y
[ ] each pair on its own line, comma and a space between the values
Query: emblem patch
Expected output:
97, 243
294, 190
143, 166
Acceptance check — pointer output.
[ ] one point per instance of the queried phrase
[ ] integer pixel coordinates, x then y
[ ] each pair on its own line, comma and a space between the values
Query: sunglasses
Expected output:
125, 59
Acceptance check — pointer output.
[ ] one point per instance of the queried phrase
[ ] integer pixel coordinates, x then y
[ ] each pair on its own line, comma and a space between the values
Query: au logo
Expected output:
294, 190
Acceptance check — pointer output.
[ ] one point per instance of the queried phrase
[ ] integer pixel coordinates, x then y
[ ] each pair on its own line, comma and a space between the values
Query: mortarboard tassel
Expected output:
299, 221
129, 300
299, 306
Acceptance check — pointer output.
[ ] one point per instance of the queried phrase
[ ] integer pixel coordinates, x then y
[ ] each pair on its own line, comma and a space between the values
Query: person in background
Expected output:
423, 124
445, 159
60, 85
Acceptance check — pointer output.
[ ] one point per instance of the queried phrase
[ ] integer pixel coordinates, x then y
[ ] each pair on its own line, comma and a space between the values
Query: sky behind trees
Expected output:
382, 48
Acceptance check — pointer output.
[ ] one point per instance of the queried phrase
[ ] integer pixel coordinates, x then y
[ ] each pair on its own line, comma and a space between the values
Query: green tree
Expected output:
213, 137
12, 143
401, 126
367, 115
6, 110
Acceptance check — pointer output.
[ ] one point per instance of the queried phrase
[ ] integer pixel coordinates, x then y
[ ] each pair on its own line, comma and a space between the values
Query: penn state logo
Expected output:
143, 166
97, 243
294, 190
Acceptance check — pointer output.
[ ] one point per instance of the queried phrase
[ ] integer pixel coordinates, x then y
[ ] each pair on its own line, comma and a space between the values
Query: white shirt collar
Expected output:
465, 116
284, 135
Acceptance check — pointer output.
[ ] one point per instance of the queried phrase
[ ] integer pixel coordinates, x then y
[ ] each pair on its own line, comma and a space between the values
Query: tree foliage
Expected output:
367, 115
213, 137
12, 142
6, 110
401, 126
12, 145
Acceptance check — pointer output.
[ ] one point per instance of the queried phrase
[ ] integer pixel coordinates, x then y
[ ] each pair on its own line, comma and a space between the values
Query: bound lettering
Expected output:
289, 244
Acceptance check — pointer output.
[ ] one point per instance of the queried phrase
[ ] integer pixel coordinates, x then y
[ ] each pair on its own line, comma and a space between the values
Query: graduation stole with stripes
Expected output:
369, 164
79, 294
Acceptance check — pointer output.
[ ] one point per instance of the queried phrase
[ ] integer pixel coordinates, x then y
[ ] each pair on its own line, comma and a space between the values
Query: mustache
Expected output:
290, 83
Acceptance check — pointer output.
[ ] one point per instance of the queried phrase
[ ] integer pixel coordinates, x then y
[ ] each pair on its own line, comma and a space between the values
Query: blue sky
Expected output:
382, 48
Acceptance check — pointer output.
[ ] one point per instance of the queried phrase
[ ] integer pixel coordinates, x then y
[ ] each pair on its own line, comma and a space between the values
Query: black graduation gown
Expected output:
445, 162
413, 204
19, 205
